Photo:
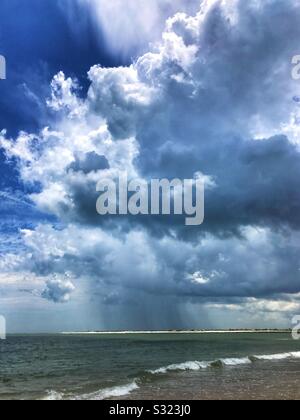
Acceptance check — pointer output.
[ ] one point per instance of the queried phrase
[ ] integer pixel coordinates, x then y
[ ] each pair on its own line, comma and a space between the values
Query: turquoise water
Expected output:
165, 366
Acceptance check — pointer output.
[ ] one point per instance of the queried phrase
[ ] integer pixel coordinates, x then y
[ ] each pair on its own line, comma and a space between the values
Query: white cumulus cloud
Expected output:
58, 290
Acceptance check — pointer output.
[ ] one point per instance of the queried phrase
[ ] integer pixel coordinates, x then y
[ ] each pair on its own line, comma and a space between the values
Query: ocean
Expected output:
150, 367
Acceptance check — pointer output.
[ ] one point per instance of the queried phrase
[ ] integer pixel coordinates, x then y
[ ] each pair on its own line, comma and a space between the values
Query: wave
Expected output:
196, 365
54, 396
236, 362
104, 394
279, 356
182, 366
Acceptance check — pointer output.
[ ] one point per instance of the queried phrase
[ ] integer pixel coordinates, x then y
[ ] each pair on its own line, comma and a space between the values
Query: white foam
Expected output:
279, 356
195, 365
236, 362
104, 394
192, 366
53, 396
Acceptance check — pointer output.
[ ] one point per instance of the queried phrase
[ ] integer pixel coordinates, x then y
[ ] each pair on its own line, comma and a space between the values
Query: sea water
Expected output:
150, 366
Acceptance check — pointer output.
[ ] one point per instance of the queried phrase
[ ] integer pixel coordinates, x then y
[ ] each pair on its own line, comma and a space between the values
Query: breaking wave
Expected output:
102, 394
279, 356
182, 366
195, 365
54, 396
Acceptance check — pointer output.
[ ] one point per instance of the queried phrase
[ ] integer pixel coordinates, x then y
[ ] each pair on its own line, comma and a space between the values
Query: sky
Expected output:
160, 89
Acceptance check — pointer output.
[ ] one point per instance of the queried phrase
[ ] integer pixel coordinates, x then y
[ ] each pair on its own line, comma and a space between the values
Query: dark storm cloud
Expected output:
90, 162
238, 81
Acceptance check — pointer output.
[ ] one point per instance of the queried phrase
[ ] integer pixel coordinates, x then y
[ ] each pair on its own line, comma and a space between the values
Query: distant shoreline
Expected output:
243, 331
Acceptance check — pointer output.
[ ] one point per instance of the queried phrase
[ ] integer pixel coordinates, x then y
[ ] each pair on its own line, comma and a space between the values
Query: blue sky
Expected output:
158, 90
37, 42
